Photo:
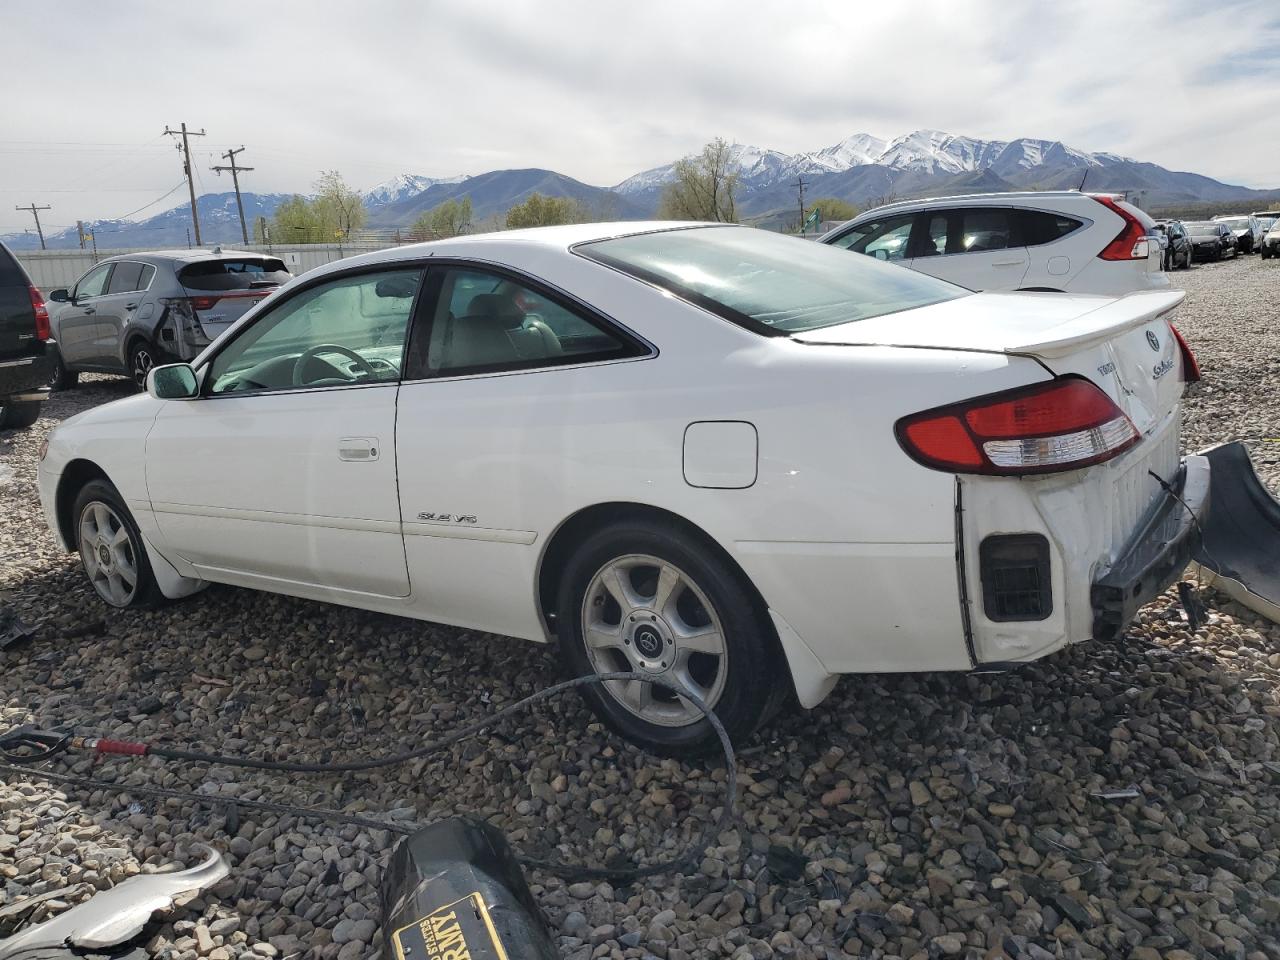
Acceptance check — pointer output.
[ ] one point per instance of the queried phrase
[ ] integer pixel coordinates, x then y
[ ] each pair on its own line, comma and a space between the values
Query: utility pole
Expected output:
35, 212
186, 168
80, 232
800, 185
231, 158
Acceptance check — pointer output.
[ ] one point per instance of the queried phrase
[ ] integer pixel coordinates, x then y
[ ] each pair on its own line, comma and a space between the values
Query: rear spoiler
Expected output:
1130, 311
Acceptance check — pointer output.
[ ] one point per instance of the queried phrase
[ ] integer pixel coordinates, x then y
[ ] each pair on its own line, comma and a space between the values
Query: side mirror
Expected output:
173, 381
61, 295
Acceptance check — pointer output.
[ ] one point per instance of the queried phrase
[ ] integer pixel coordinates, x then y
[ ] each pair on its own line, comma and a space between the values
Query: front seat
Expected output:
495, 330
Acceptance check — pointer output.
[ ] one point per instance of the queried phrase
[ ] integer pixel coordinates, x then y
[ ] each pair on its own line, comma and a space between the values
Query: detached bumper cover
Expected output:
1240, 554
1158, 553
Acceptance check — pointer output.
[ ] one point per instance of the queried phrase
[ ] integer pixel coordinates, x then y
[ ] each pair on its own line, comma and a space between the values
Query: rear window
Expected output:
233, 274
11, 272
1040, 226
769, 283
125, 278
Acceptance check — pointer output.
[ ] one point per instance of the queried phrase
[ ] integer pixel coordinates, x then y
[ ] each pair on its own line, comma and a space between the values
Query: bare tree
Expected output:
705, 187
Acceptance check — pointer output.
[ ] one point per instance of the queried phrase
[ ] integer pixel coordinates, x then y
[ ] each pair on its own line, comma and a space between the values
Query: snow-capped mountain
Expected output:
928, 152
403, 186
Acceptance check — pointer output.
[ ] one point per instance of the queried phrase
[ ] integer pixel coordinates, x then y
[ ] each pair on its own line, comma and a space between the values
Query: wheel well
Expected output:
590, 519
76, 474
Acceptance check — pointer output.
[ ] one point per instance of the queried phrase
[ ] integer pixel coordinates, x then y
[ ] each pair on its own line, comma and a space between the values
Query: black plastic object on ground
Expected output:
1240, 548
454, 890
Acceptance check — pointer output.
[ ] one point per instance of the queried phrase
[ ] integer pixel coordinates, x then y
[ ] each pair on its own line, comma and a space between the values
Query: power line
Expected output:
35, 212
186, 169
235, 180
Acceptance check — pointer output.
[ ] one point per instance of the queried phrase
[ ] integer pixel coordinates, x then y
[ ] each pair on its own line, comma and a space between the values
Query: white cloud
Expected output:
600, 90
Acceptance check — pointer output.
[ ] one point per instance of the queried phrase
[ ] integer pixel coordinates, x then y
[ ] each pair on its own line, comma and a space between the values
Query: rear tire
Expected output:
655, 599
18, 416
142, 357
111, 548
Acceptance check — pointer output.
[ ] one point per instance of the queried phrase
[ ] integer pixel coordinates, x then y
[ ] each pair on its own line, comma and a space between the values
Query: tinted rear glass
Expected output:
11, 273
1039, 226
233, 274
768, 282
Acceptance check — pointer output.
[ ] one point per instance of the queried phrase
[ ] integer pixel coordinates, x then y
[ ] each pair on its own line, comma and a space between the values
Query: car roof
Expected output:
558, 238
189, 255
1009, 196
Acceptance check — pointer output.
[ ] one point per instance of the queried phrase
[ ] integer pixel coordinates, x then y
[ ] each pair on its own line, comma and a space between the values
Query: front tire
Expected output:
111, 548
18, 416
651, 598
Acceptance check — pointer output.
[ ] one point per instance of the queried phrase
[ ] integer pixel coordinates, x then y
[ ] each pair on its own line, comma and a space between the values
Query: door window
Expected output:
486, 322
93, 283
980, 230
884, 239
346, 332
932, 238
125, 278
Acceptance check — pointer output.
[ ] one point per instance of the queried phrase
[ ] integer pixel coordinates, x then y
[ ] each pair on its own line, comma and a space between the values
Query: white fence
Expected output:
51, 269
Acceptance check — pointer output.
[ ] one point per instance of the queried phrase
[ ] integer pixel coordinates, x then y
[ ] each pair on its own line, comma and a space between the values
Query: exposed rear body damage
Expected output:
1240, 553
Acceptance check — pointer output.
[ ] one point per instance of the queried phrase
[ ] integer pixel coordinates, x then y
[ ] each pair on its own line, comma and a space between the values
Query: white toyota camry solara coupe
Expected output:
741, 462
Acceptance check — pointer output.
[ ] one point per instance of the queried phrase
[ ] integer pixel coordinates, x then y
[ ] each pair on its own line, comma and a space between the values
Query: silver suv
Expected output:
137, 310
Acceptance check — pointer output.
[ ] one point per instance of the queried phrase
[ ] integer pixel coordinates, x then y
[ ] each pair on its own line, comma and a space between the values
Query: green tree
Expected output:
295, 221
338, 206
542, 211
705, 187
833, 208
448, 219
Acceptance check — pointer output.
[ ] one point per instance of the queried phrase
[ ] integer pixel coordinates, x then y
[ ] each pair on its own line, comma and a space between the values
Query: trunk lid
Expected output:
222, 290
1123, 345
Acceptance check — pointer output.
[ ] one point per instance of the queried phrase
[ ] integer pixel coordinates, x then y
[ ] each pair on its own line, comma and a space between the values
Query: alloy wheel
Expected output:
142, 364
108, 554
644, 614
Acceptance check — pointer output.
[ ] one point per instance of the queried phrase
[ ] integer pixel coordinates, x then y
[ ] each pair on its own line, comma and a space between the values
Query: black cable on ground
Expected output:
689, 855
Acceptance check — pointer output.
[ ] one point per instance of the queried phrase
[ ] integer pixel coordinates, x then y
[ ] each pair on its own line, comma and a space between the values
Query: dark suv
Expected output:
136, 310
25, 359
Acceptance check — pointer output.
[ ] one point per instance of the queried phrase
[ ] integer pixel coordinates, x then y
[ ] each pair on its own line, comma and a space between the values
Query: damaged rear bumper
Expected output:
1240, 554
1157, 554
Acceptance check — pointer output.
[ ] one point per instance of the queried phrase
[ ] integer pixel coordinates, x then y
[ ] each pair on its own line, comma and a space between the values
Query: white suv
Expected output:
1061, 241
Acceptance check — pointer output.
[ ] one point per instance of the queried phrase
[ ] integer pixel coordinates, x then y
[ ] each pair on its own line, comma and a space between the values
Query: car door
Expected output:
77, 321
501, 401
981, 250
113, 310
282, 473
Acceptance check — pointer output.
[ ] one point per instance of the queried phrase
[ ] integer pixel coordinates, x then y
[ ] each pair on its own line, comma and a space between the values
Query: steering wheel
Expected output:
300, 364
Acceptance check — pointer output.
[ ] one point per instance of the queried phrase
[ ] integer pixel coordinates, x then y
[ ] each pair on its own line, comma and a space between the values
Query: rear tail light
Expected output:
42, 314
1051, 427
1190, 366
1131, 242
204, 303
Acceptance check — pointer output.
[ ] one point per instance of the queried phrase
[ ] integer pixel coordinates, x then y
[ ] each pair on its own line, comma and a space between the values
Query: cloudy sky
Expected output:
600, 90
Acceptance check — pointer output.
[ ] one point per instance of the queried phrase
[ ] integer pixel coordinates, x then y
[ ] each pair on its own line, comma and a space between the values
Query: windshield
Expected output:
769, 283
1202, 227
1236, 223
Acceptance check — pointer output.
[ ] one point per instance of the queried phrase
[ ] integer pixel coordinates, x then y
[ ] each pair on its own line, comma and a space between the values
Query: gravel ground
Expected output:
909, 816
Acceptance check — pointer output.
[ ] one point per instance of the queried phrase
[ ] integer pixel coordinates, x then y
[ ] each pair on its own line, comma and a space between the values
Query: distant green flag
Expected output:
811, 222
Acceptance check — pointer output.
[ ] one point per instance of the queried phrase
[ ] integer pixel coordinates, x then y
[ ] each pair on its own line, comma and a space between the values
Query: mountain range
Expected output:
861, 169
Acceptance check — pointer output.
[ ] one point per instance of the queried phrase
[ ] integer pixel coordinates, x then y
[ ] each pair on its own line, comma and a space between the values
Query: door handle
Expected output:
90, 310
131, 306
358, 449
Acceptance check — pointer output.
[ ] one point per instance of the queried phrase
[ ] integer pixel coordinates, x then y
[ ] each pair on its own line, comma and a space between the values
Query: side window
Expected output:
486, 322
981, 229
148, 271
884, 239
932, 237
345, 332
1039, 226
125, 277
94, 283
